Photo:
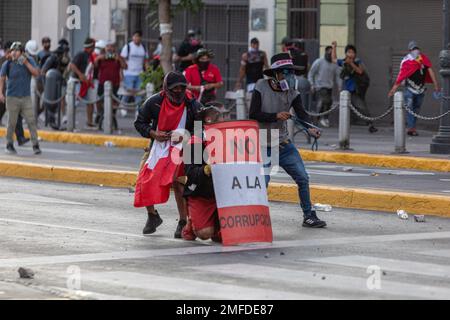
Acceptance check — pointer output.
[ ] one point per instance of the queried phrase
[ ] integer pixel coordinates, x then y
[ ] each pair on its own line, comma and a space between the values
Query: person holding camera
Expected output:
356, 80
110, 66
18, 72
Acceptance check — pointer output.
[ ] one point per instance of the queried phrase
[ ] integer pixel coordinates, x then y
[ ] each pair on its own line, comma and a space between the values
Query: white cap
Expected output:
32, 47
101, 44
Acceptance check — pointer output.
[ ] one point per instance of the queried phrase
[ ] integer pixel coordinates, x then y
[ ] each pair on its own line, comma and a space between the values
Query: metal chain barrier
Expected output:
364, 117
45, 100
418, 116
98, 99
125, 105
321, 114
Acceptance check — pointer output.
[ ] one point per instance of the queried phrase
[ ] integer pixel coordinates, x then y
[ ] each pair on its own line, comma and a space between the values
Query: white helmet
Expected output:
32, 47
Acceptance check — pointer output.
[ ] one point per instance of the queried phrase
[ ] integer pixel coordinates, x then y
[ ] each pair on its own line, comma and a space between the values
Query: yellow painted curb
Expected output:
366, 199
90, 139
107, 178
373, 160
342, 197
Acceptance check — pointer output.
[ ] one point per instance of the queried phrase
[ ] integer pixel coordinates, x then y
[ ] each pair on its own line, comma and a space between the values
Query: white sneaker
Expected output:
325, 123
123, 113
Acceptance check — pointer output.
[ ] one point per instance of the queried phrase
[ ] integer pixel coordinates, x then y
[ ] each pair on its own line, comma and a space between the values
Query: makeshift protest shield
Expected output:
233, 150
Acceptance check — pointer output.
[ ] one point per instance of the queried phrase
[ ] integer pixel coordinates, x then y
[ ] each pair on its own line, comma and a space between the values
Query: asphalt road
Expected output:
85, 242
321, 173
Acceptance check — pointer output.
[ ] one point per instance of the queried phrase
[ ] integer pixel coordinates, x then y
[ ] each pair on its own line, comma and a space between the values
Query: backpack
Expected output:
128, 50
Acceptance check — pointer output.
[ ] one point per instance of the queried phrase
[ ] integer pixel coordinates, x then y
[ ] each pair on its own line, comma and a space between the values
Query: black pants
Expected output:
19, 126
324, 100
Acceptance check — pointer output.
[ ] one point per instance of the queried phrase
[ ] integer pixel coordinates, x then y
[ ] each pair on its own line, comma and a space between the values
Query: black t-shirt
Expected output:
81, 60
255, 66
416, 82
300, 59
186, 49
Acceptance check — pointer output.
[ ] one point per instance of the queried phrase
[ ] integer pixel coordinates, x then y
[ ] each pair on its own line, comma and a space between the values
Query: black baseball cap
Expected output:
174, 79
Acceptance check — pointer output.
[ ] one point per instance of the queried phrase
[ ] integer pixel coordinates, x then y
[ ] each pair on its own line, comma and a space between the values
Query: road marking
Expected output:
402, 266
375, 170
20, 197
437, 253
445, 180
190, 288
212, 249
314, 279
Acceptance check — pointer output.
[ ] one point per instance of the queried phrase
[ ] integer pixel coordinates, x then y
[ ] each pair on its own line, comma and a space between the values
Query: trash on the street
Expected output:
347, 169
110, 144
323, 207
402, 214
26, 273
419, 218
374, 174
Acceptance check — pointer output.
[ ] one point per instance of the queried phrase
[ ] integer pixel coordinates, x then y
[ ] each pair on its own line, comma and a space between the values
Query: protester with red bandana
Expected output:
163, 118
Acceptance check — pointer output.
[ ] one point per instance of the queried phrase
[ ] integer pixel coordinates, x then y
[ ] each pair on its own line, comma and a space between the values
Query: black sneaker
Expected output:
314, 222
10, 149
180, 227
37, 150
23, 141
372, 129
153, 222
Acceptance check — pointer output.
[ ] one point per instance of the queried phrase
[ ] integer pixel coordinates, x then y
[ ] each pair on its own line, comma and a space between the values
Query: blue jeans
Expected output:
414, 102
291, 161
132, 83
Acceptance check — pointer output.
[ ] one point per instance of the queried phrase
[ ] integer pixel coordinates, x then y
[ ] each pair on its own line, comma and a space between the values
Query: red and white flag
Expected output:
410, 64
165, 161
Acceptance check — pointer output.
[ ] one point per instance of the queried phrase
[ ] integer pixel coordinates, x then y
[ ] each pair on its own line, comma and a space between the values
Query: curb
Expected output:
372, 160
342, 197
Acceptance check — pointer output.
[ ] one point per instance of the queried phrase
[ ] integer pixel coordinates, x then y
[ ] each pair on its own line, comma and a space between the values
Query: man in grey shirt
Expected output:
271, 104
322, 76
18, 72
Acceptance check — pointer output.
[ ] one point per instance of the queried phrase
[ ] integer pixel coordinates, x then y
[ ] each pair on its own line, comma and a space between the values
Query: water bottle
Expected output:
402, 214
323, 207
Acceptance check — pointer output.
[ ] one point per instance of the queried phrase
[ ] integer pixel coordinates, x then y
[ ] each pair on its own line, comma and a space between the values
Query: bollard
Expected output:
70, 96
240, 105
344, 121
108, 109
149, 89
399, 123
34, 97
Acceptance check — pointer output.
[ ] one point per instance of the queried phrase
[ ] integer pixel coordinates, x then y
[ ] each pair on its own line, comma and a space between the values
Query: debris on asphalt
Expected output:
267, 256
324, 278
323, 207
402, 214
347, 169
26, 273
110, 144
419, 218
282, 253
131, 190
374, 174
384, 273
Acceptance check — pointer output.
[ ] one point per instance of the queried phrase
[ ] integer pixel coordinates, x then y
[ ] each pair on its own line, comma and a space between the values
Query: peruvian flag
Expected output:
411, 64
165, 161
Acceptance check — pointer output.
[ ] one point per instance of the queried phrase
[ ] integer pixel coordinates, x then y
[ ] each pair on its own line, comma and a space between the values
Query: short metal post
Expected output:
34, 97
344, 121
240, 105
399, 123
70, 96
108, 109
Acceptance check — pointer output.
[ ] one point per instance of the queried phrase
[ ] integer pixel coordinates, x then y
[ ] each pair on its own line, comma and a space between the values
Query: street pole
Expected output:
441, 142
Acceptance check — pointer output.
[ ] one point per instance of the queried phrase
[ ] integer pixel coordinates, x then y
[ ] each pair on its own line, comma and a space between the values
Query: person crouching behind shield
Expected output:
203, 216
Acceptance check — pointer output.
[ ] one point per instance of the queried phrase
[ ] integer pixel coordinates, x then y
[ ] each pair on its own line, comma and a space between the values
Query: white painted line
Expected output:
192, 288
437, 253
213, 249
401, 266
87, 295
446, 191
303, 279
376, 170
445, 180
20, 197
336, 173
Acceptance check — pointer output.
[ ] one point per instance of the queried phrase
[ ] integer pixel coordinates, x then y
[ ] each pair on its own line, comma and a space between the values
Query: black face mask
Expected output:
328, 57
176, 97
203, 65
